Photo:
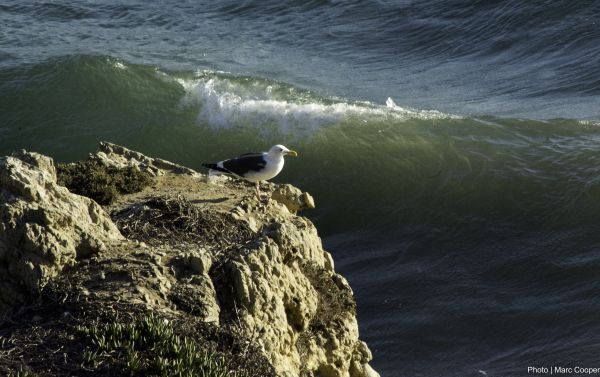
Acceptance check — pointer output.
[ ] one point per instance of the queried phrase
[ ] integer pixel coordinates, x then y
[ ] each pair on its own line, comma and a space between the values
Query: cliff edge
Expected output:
201, 263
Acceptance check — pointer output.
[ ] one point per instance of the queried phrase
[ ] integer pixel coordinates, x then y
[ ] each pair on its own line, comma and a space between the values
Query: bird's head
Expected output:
280, 150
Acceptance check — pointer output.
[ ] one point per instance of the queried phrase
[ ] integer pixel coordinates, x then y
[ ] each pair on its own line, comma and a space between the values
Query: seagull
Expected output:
254, 167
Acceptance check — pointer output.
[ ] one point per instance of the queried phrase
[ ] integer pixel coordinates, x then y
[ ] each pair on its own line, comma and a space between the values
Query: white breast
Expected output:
271, 169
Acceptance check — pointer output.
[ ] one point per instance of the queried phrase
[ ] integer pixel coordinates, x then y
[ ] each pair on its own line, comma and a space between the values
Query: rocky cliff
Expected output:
249, 281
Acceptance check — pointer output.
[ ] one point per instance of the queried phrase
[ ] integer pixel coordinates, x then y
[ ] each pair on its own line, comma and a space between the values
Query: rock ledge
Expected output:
187, 249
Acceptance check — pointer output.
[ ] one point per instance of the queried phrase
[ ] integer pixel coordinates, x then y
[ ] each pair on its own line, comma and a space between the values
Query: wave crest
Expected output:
230, 101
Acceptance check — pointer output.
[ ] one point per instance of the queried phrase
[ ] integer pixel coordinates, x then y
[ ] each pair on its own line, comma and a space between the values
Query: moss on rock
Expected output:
99, 182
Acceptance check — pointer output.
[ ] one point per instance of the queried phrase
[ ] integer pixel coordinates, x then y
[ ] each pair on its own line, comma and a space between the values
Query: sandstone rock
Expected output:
285, 293
275, 301
199, 261
119, 156
298, 237
275, 285
291, 197
363, 370
43, 226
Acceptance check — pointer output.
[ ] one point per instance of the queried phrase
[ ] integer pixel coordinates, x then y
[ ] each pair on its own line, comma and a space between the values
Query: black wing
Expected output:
245, 163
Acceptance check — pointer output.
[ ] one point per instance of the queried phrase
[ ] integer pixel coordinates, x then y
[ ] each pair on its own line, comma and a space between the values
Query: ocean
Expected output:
452, 147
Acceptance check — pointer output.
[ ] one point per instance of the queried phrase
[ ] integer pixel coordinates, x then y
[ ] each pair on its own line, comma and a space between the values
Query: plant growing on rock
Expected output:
149, 346
102, 183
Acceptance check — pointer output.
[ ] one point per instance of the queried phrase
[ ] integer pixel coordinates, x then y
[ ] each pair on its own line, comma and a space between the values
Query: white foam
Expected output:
591, 123
116, 63
228, 103
417, 114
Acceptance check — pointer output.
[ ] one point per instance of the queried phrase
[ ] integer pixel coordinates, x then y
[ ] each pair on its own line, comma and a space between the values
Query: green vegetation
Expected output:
149, 347
102, 183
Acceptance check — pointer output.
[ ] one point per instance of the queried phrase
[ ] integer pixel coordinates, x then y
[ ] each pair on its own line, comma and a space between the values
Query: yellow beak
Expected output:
292, 153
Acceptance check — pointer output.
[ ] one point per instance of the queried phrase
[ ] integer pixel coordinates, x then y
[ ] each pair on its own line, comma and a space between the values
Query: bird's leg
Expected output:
258, 194
258, 190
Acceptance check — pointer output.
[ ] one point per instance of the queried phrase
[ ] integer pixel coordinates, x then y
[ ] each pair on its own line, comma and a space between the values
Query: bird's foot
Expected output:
263, 198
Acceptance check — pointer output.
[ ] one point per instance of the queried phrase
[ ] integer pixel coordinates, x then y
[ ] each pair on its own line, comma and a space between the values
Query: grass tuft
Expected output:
102, 183
149, 346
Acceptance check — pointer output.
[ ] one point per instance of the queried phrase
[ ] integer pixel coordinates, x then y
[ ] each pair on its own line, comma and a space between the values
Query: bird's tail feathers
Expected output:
215, 170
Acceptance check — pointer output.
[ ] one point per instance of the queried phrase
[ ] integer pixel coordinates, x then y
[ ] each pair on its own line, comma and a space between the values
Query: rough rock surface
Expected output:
43, 227
115, 155
193, 248
291, 197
